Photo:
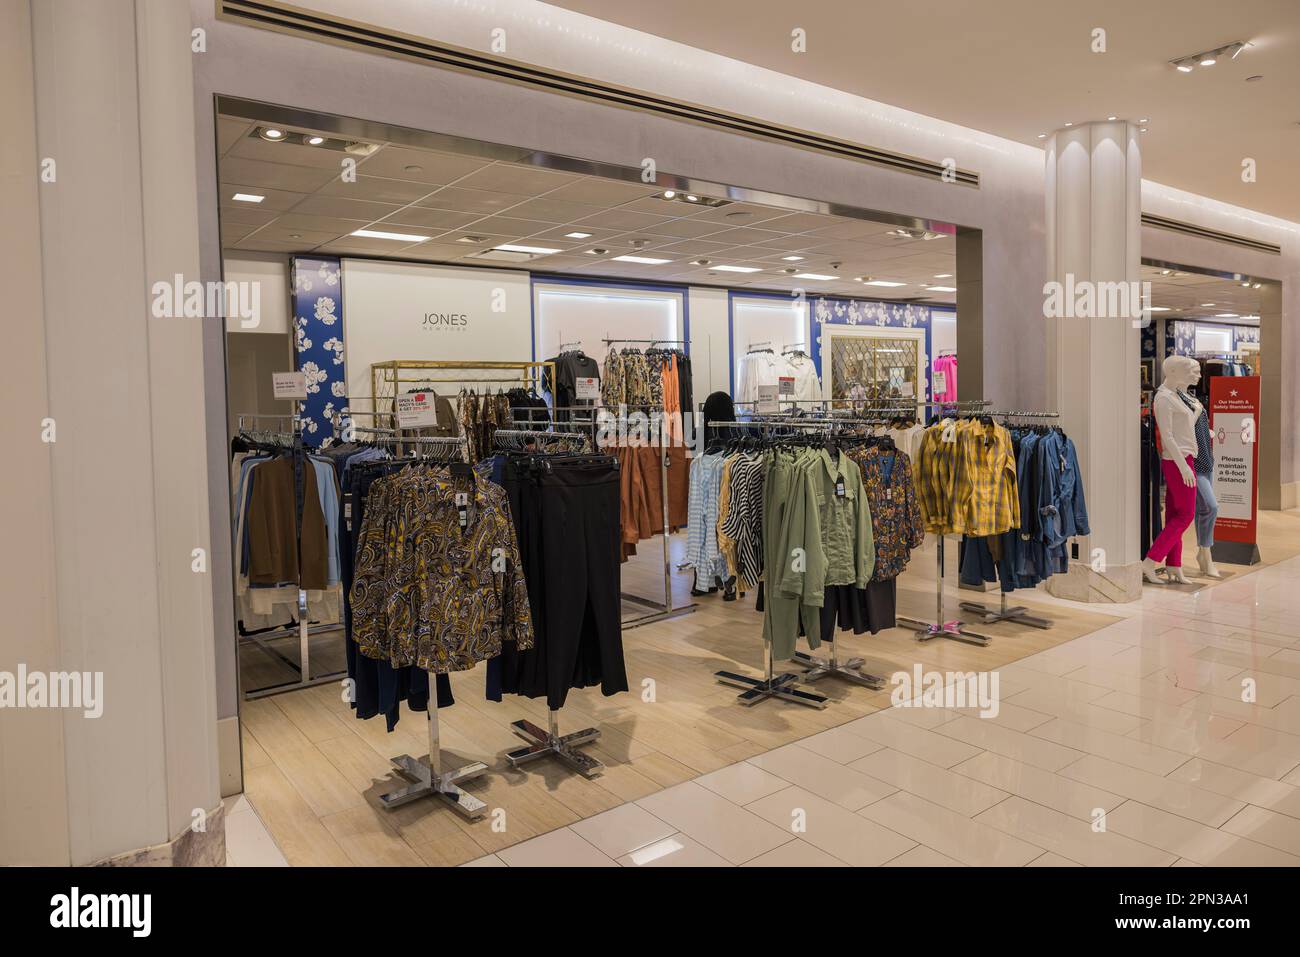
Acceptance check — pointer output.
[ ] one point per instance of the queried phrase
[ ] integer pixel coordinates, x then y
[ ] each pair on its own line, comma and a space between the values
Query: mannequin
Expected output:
1207, 505
1176, 420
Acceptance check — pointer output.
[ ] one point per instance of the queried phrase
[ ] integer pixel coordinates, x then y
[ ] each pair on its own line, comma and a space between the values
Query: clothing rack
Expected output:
542, 742
292, 441
387, 378
764, 344
651, 342
599, 419
430, 780
789, 348
1016, 613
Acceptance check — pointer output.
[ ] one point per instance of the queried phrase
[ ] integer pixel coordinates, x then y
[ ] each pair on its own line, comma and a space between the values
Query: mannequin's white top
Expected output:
1177, 424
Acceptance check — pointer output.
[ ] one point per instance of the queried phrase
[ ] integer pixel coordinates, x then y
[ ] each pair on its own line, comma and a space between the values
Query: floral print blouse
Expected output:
896, 523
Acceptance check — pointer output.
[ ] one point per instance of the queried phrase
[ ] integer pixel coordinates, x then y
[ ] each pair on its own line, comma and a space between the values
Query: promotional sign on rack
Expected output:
416, 410
1234, 424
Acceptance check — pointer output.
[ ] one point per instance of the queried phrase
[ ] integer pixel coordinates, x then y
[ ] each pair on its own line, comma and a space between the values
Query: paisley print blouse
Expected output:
895, 512
429, 592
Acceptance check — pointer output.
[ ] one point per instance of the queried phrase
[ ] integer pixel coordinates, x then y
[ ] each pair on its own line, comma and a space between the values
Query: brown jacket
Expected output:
273, 547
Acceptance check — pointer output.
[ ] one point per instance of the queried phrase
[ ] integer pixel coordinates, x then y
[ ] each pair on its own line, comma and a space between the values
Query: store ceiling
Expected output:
1018, 68
307, 207
1189, 295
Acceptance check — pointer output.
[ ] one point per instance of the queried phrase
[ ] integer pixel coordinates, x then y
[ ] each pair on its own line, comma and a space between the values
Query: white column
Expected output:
120, 496
1093, 190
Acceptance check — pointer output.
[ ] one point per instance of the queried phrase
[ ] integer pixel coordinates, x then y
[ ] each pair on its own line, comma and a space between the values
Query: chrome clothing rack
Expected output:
293, 442
1004, 612
430, 780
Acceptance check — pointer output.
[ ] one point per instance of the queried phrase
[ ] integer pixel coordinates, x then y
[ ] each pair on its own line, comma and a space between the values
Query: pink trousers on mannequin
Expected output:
1180, 509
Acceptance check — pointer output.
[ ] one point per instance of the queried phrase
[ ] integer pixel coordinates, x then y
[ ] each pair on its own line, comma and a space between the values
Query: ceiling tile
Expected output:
601, 192
229, 131
517, 180
423, 218
298, 222
470, 200
344, 208
247, 213
435, 168
554, 211
618, 219
377, 189
298, 179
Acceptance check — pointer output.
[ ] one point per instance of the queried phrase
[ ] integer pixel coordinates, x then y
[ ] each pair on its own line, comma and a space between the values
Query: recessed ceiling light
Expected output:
1184, 68
643, 260
1142, 129
792, 259
1042, 136
1226, 315
515, 248
598, 251
1157, 308
295, 235
380, 234
271, 134
1258, 285
315, 140
941, 288
1112, 118
1245, 285
700, 262
813, 275
1144, 120
1069, 124
943, 275
882, 282
1209, 61
1166, 272
247, 198
472, 239
577, 235
669, 194
413, 169
737, 269
692, 199
1209, 304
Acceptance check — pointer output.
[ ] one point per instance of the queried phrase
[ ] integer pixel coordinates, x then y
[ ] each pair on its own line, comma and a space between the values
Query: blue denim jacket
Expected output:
1061, 505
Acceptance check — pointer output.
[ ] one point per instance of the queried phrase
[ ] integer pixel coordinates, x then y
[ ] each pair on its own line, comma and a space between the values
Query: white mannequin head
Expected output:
1181, 372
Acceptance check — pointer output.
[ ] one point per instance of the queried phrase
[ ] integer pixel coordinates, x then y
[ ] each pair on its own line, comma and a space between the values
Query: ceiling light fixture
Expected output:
271, 134
643, 260
737, 268
943, 275
1112, 118
515, 248
941, 288
1258, 285
315, 140
813, 275
577, 235
1042, 136
1186, 64
1157, 308
247, 198
1144, 120
1207, 304
1226, 315
792, 259
882, 282
669, 194
598, 251
472, 239
692, 199
412, 169
700, 262
398, 237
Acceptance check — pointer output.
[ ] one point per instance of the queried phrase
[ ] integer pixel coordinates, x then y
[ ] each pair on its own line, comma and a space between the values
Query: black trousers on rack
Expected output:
567, 521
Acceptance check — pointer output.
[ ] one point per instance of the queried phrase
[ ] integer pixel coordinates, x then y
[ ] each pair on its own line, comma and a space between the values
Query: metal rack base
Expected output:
851, 670
950, 629
428, 783
1016, 613
778, 686
551, 742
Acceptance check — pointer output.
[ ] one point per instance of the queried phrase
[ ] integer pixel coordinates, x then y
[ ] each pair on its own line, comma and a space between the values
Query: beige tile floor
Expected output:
1119, 741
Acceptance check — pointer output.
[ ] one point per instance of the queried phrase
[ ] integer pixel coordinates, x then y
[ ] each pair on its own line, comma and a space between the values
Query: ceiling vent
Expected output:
1188, 229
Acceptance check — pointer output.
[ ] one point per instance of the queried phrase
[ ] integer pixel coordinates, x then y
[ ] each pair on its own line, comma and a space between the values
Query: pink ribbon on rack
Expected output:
953, 626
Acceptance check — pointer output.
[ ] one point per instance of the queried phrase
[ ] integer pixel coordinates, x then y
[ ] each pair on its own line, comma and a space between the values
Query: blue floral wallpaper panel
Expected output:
862, 312
318, 333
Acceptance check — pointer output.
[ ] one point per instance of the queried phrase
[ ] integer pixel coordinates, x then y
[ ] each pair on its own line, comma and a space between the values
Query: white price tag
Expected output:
767, 399
588, 387
289, 385
940, 382
785, 385
415, 410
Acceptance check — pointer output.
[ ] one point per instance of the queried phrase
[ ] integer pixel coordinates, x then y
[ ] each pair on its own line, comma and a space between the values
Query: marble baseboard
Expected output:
190, 848
1117, 584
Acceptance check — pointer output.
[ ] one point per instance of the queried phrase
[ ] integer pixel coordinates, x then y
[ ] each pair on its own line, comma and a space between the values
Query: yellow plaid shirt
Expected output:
968, 479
